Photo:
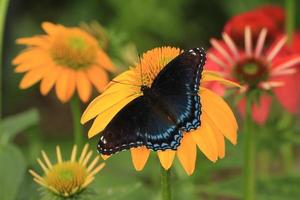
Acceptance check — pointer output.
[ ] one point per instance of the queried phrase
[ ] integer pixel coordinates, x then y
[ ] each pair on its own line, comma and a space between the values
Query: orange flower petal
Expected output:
219, 113
104, 157
187, 153
105, 61
106, 116
218, 136
139, 157
27, 55
40, 41
98, 77
32, 77
65, 85
113, 95
49, 80
50, 28
205, 139
166, 158
214, 76
24, 67
83, 85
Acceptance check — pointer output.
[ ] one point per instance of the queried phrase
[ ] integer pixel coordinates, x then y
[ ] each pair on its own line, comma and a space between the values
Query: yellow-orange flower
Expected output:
70, 177
217, 119
68, 58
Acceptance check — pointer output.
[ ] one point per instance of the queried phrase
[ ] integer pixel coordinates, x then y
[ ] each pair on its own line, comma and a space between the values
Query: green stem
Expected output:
287, 156
249, 157
290, 7
76, 113
263, 158
3, 11
165, 184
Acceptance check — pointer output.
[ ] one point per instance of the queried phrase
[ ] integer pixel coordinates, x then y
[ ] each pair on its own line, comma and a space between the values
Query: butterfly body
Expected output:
167, 109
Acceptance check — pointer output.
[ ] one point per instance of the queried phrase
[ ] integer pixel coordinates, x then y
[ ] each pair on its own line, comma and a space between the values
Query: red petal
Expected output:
260, 111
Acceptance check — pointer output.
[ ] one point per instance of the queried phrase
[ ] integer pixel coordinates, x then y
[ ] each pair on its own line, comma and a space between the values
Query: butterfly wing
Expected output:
177, 85
156, 120
139, 123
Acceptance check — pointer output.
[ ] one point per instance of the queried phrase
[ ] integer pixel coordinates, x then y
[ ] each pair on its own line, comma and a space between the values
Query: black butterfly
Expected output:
158, 118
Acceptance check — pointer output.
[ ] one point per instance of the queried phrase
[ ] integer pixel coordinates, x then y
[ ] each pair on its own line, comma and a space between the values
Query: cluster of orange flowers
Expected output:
70, 59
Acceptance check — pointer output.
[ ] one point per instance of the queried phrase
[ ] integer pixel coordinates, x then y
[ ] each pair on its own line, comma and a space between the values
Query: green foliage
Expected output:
11, 126
12, 170
276, 188
87, 194
12, 161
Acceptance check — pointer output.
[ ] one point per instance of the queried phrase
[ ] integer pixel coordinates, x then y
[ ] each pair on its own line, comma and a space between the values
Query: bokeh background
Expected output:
135, 26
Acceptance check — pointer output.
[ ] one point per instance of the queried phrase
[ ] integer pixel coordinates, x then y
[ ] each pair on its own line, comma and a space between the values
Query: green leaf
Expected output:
11, 126
276, 188
12, 171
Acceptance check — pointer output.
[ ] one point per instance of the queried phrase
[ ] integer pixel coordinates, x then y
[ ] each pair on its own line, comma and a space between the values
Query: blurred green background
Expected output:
143, 25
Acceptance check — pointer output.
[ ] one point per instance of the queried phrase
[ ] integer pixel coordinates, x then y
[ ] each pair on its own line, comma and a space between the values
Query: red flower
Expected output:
276, 13
290, 100
269, 17
255, 67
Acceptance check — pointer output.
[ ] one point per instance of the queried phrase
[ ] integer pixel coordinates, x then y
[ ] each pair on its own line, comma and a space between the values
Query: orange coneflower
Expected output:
217, 119
68, 58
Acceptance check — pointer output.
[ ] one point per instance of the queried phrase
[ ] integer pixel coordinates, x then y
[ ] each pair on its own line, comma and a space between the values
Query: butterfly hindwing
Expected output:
137, 124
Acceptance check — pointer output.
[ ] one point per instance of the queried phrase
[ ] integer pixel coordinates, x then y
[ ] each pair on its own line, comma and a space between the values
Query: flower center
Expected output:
73, 51
251, 72
66, 178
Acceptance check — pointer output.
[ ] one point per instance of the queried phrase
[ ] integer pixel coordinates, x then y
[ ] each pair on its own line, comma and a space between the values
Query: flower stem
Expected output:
290, 7
249, 157
77, 129
3, 11
287, 156
165, 184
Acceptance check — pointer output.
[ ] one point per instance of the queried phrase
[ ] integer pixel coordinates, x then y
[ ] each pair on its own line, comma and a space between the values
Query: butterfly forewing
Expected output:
177, 86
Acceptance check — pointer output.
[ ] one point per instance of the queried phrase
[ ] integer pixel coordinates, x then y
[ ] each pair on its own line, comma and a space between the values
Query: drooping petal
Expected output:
187, 153
105, 61
65, 85
139, 157
205, 139
219, 113
49, 80
32, 77
166, 158
83, 85
214, 76
98, 77
220, 140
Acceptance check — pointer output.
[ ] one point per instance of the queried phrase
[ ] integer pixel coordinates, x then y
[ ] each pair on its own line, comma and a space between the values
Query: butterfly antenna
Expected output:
124, 83
141, 71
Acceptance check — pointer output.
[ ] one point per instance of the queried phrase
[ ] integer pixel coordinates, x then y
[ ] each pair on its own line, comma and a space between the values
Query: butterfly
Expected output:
159, 117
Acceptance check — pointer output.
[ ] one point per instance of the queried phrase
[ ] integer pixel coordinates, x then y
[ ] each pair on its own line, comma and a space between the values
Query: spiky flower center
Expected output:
73, 51
251, 72
66, 178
